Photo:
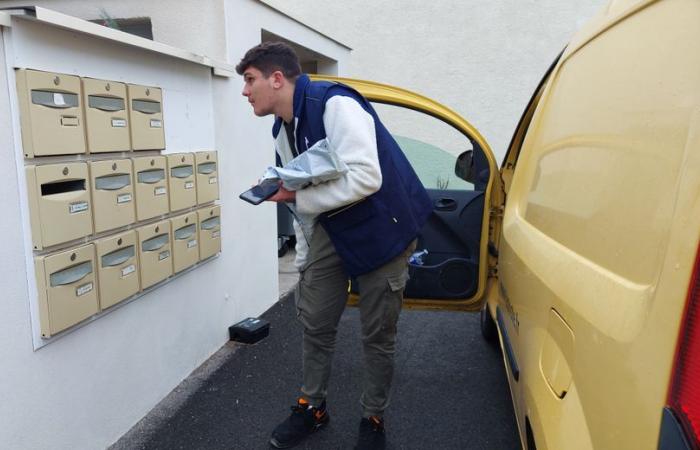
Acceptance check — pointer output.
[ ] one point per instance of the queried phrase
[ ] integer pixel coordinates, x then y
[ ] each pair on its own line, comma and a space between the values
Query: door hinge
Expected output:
493, 251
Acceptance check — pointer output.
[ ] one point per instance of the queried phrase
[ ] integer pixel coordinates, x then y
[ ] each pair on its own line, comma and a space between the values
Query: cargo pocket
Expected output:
398, 282
393, 299
298, 290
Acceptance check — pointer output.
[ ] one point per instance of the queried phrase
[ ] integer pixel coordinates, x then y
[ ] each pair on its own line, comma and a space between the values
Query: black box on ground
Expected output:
249, 331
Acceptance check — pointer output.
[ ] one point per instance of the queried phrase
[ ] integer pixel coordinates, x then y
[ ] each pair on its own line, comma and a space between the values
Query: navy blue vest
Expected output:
369, 233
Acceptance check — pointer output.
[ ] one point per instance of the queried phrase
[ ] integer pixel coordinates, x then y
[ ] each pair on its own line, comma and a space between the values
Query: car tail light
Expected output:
684, 393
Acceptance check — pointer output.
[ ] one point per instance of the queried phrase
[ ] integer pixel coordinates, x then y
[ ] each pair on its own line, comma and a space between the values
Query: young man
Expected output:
362, 225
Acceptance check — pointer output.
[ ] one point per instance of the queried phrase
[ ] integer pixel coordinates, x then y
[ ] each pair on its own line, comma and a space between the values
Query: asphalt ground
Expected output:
450, 390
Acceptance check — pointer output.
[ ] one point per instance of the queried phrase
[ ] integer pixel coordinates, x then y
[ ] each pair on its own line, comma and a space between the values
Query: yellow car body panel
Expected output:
601, 229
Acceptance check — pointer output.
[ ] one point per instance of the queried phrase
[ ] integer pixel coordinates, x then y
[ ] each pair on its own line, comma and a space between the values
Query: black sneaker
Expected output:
371, 434
304, 420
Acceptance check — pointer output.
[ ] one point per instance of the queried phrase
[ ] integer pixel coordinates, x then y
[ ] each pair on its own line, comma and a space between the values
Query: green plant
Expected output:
442, 183
107, 20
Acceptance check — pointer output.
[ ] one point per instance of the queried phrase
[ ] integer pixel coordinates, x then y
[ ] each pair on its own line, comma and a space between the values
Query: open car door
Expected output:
457, 167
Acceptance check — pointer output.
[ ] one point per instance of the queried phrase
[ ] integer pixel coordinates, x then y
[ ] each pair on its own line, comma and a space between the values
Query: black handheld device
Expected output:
261, 192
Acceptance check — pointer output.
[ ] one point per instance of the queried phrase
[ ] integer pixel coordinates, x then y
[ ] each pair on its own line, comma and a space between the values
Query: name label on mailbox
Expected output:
77, 207
160, 190
123, 198
189, 185
156, 123
163, 255
119, 123
58, 99
192, 243
215, 234
84, 289
212, 180
131, 268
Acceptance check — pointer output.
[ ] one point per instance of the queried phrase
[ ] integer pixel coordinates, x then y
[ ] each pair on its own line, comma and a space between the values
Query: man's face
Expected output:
260, 91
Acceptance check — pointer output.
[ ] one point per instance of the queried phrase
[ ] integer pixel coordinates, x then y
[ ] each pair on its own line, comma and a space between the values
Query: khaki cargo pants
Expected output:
320, 299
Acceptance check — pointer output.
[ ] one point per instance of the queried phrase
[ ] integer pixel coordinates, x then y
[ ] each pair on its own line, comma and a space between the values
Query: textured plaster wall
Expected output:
482, 58
88, 387
192, 25
247, 139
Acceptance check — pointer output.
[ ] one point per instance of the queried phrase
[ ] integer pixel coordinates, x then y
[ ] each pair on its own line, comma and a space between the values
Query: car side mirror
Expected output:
464, 167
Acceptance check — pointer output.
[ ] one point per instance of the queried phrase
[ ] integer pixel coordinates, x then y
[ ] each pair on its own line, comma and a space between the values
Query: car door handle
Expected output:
445, 204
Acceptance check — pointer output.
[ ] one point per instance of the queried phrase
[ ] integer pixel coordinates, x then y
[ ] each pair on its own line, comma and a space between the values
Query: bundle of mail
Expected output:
316, 165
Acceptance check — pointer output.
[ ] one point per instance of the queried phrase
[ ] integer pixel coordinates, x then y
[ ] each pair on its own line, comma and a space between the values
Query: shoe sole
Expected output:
275, 443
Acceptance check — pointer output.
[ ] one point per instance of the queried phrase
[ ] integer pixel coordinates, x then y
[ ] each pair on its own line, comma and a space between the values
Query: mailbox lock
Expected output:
153, 162
208, 156
157, 229
119, 242
187, 219
57, 81
107, 87
65, 171
183, 159
114, 166
148, 91
73, 256
211, 213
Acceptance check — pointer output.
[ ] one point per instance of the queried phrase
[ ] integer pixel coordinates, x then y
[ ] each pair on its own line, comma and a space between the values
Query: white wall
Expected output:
482, 58
248, 138
86, 388
89, 386
178, 23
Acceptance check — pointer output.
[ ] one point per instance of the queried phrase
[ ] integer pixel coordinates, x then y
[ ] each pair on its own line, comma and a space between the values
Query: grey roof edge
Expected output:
287, 15
48, 16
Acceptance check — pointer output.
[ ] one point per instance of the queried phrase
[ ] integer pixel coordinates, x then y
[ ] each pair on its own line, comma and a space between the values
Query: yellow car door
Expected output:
454, 258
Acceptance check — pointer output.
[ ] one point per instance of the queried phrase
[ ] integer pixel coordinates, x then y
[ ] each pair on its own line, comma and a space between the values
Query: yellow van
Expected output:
582, 250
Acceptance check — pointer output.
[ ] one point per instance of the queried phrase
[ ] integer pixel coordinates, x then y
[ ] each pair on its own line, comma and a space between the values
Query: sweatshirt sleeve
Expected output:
351, 134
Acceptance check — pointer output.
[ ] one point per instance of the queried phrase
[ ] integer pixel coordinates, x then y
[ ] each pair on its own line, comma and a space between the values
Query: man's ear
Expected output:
277, 79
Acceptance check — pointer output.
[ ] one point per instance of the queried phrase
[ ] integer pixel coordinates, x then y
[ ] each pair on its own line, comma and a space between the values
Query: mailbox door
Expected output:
181, 181
207, 177
67, 287
209, 231
59, 203
106, 116
155, 253
51, 114
185, 241
151, 187
117, 268
146, 113
112, 194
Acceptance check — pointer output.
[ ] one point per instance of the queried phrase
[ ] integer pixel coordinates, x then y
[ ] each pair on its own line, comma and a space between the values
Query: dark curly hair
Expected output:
269, 57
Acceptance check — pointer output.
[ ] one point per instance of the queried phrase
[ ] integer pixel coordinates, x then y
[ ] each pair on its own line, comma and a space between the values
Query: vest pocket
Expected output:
350, 215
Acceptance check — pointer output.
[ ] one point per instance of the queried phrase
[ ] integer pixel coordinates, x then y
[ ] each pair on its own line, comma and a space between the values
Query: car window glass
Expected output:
431, 145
